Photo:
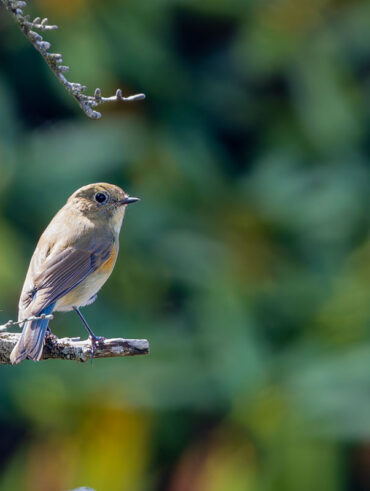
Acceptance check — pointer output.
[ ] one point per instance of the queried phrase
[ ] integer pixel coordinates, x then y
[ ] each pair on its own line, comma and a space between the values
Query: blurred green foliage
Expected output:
246, 264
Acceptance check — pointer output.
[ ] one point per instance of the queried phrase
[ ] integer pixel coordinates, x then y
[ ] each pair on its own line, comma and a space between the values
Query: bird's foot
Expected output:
94, 341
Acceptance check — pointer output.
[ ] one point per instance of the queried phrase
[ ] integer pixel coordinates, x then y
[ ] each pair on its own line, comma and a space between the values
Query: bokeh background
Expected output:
246, 264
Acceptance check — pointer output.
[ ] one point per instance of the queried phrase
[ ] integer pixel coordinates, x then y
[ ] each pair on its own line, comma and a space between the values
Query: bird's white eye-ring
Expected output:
101, 197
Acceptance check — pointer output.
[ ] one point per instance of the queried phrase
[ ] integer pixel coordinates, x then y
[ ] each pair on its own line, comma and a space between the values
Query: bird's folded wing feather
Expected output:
60, 274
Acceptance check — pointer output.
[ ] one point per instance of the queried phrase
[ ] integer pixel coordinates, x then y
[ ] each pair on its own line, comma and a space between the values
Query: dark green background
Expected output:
246, 263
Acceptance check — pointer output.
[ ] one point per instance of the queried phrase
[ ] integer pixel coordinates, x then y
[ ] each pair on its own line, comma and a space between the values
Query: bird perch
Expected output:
54, 61
75, 349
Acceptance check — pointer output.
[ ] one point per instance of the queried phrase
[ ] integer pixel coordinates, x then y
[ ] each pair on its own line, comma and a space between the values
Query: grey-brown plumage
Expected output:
72, 260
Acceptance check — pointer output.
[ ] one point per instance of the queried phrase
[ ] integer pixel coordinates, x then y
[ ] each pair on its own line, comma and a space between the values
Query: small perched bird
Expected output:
72, 260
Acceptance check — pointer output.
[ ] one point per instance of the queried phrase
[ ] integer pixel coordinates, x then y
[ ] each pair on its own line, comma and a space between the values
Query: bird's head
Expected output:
102, 201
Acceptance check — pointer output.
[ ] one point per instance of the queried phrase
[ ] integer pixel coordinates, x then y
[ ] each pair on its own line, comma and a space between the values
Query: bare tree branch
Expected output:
75, 349
54, 60
10, 323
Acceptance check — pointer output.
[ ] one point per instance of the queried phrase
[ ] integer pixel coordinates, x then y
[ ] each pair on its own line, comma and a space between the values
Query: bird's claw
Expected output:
94, 341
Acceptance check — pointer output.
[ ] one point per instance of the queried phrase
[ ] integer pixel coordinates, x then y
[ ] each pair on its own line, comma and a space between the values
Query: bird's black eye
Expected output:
100, 197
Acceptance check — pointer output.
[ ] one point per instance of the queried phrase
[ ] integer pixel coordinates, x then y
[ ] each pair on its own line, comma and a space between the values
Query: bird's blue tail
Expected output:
31, 342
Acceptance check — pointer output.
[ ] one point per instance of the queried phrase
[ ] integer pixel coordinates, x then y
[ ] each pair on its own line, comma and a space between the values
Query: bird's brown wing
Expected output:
61, 273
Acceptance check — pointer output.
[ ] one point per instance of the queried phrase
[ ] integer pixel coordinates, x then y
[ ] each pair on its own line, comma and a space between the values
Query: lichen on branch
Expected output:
88, 103
75, 349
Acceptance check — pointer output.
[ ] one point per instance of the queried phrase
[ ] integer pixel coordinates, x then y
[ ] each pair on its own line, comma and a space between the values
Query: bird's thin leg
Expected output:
94, 339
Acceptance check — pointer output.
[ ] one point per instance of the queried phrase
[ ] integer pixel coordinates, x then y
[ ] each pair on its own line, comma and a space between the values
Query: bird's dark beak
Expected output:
128, 200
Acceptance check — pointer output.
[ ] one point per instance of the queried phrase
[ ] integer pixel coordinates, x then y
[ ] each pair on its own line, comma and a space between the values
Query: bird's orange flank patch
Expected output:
110, 262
